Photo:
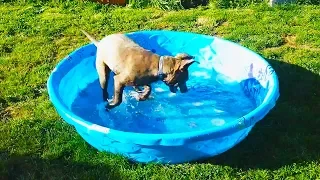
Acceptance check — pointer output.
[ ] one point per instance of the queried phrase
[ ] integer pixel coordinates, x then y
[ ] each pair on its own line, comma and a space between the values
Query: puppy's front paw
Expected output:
141, 97
106, 105
111, 105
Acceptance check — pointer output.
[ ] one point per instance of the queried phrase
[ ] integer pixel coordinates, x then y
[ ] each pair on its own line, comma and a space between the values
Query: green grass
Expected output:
36, 144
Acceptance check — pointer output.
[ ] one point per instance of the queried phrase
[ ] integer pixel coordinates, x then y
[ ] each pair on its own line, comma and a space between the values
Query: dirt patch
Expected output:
226, 24
5, 113
290, 41
39, 90
204, 21
208, 22
210, 25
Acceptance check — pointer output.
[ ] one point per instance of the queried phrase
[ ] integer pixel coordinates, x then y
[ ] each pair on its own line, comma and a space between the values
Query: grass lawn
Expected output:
35, 143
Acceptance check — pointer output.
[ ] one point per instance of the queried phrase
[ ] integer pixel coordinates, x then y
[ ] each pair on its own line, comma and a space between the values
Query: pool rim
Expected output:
172, 139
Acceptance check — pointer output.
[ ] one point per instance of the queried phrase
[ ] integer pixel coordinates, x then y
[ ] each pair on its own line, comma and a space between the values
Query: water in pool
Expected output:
207, 104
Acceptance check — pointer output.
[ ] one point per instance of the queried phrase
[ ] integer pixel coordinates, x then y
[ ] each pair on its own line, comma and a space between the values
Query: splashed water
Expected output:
207, 104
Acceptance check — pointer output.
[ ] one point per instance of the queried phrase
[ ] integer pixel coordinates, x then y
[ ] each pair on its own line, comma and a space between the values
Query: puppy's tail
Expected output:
94, 41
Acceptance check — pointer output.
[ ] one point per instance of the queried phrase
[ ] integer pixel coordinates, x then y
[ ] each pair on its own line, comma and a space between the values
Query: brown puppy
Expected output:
136, 66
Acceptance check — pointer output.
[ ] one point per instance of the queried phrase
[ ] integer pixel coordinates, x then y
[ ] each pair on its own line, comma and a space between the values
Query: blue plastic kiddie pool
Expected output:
229, 91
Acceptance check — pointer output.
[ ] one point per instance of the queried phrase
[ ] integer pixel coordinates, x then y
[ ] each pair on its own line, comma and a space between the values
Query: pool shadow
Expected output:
290, 132
30, 167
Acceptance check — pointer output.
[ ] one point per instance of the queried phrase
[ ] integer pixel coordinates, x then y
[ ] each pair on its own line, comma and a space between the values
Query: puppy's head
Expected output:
178, 74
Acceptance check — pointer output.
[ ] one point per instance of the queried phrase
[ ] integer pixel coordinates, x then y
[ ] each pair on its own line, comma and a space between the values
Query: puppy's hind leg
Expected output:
103, 73
118, 92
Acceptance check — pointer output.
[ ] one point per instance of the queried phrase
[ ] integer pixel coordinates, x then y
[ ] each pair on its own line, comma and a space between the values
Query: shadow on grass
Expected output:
290, 132
28, 167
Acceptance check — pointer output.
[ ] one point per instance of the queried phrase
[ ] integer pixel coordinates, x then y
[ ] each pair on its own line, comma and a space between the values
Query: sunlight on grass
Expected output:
35, 142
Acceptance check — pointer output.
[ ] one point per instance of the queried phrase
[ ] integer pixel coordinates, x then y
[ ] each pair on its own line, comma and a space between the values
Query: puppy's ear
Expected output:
186, 63
184, 56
